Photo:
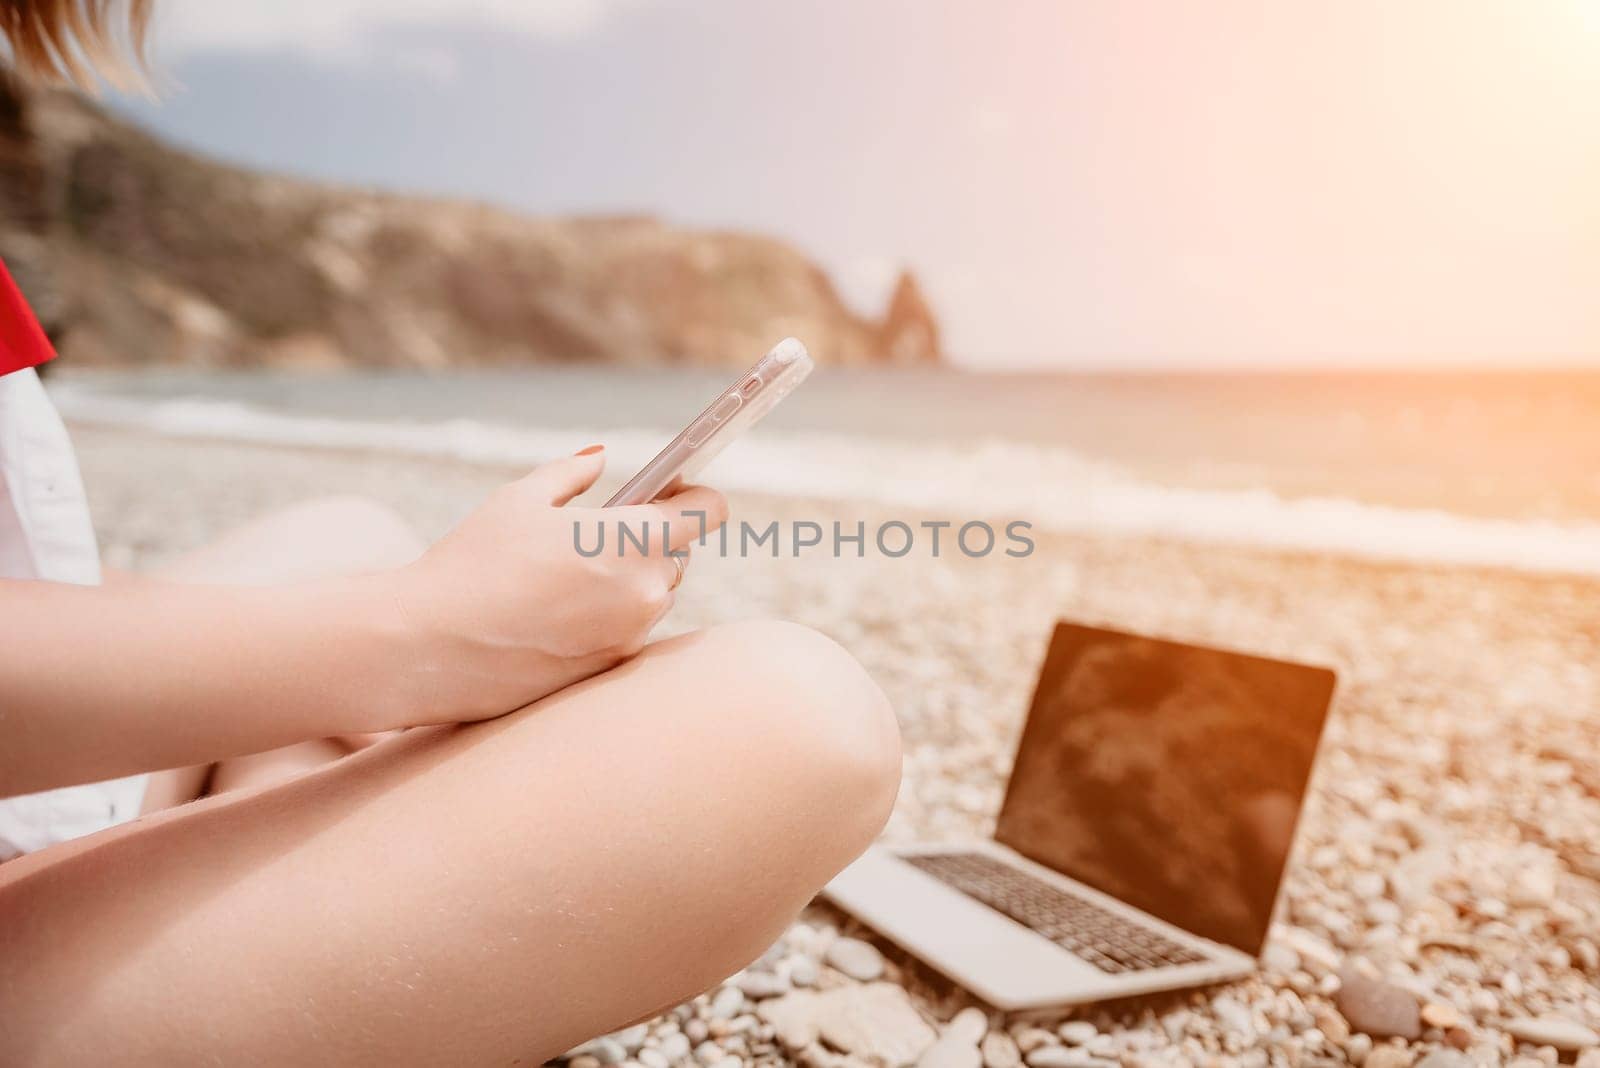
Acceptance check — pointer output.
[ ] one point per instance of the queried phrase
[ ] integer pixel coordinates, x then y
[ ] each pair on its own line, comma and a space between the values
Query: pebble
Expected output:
1367, 885
1175, 1025
653, 1058
1484, 1003
758, 985
1332, 1025
607, 1050
1385, 915
583, 1060
1357, 1048
855, 958
726, 1003
1389, 1057
696, 1031
1437, 1014
631, 1038
1377, 1008
802, 970
1065, 1057
1281, 958
675, 1047
1032, 1038
1534, 887
814, 1056
793, 1019
1444, 1058
1586, 955
951, 1052
1233, 1017
1000, 1051
967, 1026
1565, 1035
875, 1021
1511, 983
1316, 955
1078, 1032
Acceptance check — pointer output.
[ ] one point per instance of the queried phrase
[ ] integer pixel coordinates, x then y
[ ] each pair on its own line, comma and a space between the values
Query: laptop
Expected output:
1144, 835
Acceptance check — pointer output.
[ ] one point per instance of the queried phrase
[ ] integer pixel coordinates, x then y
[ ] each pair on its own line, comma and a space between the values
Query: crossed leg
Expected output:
468, 895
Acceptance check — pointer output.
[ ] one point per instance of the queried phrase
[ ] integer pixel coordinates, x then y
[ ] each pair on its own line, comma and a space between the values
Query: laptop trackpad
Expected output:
994, 956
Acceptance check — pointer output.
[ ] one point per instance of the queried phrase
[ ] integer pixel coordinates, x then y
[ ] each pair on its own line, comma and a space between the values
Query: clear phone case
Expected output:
735, 410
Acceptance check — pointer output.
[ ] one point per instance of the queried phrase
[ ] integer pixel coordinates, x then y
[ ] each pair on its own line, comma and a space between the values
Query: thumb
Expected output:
561, 480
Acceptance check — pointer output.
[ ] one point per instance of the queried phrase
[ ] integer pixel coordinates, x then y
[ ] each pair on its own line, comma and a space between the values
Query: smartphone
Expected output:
735, 410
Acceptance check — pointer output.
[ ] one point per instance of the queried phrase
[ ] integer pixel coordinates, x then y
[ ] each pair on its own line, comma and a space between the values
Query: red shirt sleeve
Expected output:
22, 340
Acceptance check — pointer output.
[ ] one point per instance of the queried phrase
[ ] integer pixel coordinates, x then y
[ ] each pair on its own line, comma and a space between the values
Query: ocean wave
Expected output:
1057, 489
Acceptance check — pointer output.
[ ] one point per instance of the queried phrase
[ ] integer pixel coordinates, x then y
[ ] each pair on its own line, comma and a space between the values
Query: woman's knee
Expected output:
824, 727
324, 537
359, 531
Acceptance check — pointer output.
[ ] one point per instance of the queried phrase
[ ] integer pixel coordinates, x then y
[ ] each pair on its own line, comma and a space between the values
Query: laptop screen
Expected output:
1169, 776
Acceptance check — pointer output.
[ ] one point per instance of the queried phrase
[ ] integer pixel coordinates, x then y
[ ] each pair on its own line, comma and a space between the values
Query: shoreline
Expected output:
1054, 487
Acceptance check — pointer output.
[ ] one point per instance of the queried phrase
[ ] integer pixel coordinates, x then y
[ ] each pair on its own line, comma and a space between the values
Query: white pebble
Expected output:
857, 959
1065, 1057
631, 1038
758, 985
1556, 1031
968, 1026
1078, 1032
675, 1047
726, 1003
950, 1052
608, 1051
1000, 1051
800, 969
1234, 1017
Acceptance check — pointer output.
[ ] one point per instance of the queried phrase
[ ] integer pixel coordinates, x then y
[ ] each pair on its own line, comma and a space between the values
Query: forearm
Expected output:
101, 682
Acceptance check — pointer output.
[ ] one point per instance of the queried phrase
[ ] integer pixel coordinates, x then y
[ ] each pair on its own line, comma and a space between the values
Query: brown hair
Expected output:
67, 40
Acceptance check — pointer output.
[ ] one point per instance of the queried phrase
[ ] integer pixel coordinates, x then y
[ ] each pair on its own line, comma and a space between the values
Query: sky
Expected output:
1129, 184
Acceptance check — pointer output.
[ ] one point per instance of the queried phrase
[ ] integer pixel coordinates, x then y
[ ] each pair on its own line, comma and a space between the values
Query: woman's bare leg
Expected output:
489, 894
318, 539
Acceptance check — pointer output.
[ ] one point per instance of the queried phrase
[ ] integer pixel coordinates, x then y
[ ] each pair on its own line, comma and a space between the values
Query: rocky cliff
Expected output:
134, 252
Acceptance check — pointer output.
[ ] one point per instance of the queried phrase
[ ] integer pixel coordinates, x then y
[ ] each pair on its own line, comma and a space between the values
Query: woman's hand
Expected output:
107, 681
506, 609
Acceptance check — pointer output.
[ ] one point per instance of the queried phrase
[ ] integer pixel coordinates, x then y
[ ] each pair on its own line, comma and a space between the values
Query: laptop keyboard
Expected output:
1110, 942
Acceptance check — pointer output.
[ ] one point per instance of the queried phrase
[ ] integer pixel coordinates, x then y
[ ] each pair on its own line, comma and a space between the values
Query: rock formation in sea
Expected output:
136, 252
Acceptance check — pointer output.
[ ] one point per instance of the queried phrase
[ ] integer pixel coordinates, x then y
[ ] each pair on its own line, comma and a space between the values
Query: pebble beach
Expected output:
1443, 905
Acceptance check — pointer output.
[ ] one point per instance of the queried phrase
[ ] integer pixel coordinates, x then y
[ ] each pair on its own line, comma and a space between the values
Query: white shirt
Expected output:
45, 533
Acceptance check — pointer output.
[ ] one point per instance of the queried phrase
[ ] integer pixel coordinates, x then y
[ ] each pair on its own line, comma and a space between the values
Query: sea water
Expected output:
1499, 469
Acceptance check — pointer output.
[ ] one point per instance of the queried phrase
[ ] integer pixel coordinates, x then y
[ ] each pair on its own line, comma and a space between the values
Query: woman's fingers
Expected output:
672, 523
691, 515
558, 481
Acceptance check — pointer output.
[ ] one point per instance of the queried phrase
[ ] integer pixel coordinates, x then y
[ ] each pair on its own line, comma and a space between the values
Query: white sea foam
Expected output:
1055, 488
